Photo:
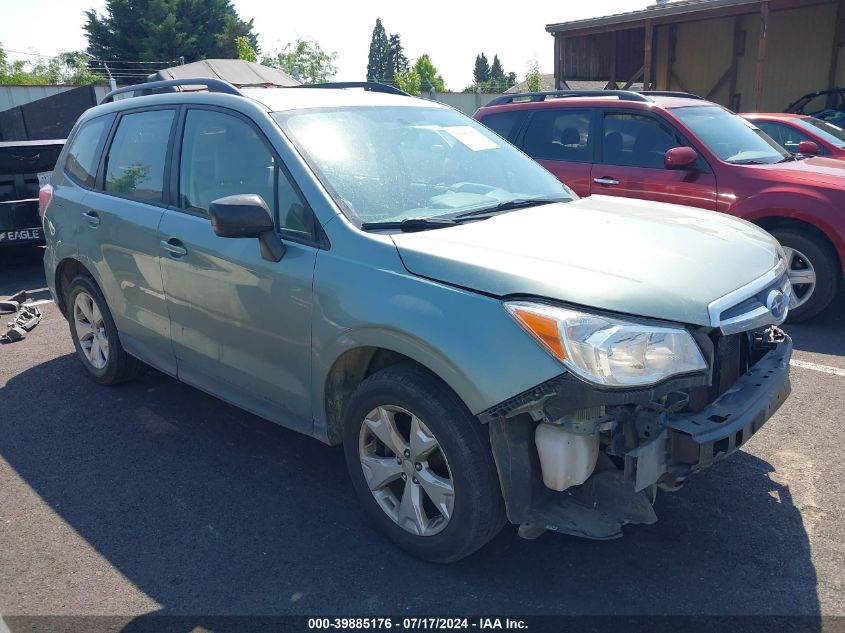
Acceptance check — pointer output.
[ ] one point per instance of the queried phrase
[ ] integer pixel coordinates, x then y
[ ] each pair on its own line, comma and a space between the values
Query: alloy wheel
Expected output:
91, 330
406, 470
801, 275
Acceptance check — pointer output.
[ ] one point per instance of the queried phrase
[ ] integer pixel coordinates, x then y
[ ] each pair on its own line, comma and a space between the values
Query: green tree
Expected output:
429, 77
311, 62
409, 81
152, 30
397, 62
377, 61
533, 79
245, 49
481, 73
64, 68
496, 71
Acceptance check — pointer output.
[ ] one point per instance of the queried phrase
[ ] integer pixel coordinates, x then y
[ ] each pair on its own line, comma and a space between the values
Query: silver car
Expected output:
383, 272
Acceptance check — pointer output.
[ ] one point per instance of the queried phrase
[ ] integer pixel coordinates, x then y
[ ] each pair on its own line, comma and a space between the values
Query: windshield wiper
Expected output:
410, 225
508, 205
792, 157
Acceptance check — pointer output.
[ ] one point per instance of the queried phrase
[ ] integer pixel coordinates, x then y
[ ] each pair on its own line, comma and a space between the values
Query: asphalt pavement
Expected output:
155, 498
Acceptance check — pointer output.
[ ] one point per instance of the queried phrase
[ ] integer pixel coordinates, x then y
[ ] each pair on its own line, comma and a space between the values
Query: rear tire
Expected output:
95, 336
392, 403
806, 255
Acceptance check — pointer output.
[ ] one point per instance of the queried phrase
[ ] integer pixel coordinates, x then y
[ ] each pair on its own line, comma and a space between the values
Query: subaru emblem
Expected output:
776, 304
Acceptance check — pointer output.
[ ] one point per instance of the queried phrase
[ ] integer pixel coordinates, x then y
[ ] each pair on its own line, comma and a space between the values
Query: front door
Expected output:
241, 324
630, 163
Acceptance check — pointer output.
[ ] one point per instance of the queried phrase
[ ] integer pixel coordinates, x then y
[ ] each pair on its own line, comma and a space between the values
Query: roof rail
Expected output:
622, 95
670, 93
213, 85
372, 86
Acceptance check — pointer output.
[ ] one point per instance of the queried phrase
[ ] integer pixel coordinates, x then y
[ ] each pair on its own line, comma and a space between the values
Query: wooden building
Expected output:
746, 54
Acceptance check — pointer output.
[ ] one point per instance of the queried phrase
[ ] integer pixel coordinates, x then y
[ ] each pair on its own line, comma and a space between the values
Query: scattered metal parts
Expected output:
29, 316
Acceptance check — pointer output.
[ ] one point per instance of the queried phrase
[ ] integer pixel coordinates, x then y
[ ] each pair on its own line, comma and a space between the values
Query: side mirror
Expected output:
680, 158
809, 147
247, 215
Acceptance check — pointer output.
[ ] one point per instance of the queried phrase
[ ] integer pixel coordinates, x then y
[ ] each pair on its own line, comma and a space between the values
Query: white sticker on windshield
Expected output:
471, 137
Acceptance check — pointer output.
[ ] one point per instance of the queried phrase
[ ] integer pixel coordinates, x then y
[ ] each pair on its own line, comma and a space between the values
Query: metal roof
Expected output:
236, 71
678, 7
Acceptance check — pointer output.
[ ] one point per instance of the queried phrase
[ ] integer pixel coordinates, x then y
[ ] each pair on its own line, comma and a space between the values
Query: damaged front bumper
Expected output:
651, 439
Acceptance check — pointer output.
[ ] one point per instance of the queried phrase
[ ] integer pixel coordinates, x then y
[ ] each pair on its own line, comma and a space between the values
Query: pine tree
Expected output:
482, 69
496, 72
148, 30
377, 62
397, 62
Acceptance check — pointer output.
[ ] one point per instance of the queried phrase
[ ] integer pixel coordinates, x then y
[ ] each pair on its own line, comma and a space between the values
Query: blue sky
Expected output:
452, 32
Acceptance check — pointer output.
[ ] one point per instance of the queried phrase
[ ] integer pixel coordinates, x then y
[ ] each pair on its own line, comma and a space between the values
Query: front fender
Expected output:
465, 338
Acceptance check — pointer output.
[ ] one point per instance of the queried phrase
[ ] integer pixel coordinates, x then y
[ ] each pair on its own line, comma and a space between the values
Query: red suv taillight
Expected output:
45, 196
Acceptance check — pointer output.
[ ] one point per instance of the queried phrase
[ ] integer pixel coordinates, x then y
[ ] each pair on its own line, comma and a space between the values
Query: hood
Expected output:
630, 256
818, 170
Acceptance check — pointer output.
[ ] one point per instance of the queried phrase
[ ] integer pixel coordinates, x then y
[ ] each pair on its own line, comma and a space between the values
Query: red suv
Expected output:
678, 148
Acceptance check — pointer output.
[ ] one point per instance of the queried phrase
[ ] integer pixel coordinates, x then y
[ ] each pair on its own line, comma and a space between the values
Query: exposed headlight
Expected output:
608, 351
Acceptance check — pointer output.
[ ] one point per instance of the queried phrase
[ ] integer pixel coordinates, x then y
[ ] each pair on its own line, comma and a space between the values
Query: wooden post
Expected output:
558, 69
838, 40
738, 33
649, 33
670, 55
613, 44
761, 54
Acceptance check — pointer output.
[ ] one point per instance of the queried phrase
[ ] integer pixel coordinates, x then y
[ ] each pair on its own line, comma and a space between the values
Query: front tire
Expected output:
95, 336
422, 465
813, 270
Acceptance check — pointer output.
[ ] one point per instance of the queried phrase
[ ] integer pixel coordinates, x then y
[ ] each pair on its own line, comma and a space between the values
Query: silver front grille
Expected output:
764, 301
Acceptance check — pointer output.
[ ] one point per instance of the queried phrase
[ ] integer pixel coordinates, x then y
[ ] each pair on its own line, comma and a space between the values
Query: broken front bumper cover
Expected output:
686, 442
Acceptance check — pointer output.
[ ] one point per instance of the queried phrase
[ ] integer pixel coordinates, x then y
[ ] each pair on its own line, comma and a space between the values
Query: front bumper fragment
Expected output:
697, 440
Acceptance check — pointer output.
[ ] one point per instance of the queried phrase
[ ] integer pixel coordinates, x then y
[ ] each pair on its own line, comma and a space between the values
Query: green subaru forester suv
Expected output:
383, 272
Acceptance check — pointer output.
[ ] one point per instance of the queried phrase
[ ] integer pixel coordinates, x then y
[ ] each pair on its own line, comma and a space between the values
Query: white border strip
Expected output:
825, 369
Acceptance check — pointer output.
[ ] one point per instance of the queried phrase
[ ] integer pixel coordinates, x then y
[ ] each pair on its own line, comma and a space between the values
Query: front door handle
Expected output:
92, 217
606, 181
174, 247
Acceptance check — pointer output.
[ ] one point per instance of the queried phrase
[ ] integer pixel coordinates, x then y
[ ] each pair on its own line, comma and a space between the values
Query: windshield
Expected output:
831, 133
388, 164
729, 136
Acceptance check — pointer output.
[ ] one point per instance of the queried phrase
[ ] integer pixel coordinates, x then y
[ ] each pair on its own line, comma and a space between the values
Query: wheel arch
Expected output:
773, 222
67, 270
357, 362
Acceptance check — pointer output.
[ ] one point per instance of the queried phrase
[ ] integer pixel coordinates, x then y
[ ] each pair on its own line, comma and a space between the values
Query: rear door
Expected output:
118, 235
241, 324
630, 162
562, 140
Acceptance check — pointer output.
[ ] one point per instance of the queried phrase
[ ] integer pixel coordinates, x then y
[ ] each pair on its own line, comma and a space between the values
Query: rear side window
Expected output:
506, 124
135, 162
83, 155
559, 135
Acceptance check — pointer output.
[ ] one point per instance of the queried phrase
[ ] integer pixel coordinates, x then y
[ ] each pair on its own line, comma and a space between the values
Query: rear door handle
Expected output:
92, 217
174, 247
606, 181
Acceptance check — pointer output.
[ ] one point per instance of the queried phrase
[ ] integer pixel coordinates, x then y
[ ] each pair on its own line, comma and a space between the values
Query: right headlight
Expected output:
609, 351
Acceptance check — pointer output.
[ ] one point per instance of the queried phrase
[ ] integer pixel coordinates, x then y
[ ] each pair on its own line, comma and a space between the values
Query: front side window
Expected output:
135, 162
635, 140
784, 135
83, 155
385, 164
833, 134
223, 155
559, 135
729, 136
